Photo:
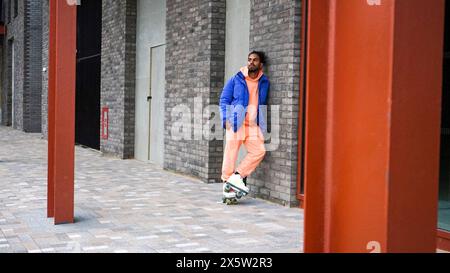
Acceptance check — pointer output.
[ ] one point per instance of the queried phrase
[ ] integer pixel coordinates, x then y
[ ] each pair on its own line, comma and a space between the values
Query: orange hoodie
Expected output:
252, 84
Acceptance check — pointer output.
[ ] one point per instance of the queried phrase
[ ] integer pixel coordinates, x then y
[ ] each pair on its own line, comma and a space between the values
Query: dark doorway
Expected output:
87, 113
444, 181
302, 105
10, 100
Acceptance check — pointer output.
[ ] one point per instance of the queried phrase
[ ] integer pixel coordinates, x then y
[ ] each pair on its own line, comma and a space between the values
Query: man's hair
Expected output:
261, 55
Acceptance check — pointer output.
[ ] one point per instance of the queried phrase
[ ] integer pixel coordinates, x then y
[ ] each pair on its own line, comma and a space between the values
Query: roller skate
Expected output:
236, 184
229, 195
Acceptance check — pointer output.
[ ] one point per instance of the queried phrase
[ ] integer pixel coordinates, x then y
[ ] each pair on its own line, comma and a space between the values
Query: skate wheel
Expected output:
239, 195
227, 188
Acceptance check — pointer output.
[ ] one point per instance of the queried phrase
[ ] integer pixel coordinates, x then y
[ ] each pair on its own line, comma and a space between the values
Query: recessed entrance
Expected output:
87, 113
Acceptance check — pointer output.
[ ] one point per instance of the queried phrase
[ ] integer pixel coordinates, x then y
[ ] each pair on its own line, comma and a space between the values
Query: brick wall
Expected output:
15, 31
275, 29
118, 75
4, 93
5, 70
26, 31
194, 68
45, 33
33, 66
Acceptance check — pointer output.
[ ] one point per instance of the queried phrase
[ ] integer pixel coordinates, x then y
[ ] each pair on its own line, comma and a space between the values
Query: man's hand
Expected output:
227, 125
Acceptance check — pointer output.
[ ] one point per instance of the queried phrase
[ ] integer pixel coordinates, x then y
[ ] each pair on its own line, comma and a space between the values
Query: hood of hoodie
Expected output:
244, 71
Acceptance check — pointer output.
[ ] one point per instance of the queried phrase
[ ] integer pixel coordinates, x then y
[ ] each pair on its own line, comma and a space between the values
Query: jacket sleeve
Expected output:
225, 100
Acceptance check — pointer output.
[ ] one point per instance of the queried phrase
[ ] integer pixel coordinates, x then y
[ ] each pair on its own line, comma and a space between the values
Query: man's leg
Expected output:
254, 143
233, 143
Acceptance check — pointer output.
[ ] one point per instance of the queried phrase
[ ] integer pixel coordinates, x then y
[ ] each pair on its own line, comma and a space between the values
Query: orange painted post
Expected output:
374, 76
62, 75
316, 109
51, 110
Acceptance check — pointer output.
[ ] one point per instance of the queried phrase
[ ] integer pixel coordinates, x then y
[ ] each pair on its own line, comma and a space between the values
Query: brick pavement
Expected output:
130, 206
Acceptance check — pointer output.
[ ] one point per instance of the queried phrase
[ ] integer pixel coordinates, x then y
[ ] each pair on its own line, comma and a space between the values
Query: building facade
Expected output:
150, 74
139, 61
157, 57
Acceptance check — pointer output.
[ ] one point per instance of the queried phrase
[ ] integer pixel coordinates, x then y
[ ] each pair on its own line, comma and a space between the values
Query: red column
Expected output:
374, 78
62, 73
51, 110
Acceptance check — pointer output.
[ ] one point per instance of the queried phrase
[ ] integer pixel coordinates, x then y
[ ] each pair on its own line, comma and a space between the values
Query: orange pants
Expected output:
253, 140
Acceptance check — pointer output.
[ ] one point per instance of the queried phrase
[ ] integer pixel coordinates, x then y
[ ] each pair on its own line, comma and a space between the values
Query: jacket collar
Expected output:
242, 77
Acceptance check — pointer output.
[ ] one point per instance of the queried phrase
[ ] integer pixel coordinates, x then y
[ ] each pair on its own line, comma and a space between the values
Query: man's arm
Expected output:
225, 101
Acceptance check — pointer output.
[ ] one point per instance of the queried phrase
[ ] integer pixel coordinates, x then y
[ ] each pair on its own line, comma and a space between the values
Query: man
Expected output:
244, 121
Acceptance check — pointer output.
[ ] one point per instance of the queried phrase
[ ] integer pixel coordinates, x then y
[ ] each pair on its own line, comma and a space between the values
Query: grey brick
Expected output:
194, 67
275, 29
118, 75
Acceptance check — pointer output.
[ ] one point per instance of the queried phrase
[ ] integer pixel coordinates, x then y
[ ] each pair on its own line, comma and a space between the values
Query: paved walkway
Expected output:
130, 206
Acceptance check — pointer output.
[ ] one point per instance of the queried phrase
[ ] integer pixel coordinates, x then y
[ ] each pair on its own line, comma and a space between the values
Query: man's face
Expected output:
254, 63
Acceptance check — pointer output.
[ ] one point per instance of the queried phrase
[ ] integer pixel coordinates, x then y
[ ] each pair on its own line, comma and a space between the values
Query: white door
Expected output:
150, 66
156, 104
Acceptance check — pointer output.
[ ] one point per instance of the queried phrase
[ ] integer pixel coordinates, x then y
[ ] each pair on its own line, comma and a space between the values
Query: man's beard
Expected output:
253, 69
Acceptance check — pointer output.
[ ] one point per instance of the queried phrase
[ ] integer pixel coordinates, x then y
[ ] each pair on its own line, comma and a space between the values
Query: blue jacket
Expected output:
234, 102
